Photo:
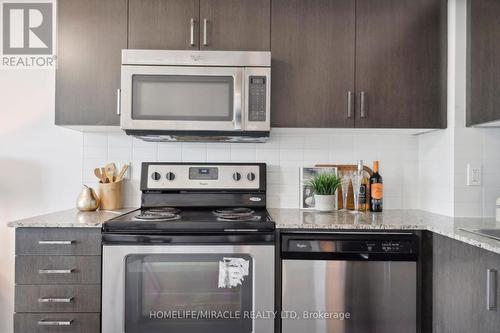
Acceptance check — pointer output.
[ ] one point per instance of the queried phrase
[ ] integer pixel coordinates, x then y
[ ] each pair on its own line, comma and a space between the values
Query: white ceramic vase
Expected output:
324, 203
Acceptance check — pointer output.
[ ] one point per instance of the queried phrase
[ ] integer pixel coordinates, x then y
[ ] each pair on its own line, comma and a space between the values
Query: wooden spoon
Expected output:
122, 173
98, 173
110, 170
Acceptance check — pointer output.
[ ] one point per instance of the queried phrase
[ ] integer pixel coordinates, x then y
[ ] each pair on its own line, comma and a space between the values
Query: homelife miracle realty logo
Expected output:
28, 34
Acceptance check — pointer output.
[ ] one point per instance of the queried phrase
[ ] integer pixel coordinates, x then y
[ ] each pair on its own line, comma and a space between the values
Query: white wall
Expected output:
40, 164
286, 151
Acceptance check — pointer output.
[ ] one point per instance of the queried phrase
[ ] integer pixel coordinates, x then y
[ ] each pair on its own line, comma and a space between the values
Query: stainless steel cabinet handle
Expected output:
50, 322
349, 104
205, 33
491, 289
118, 101
191, 32
363, 105
56, 242
55, 300
55, 271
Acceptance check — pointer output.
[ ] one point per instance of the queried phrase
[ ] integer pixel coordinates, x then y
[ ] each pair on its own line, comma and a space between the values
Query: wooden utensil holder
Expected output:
110, 195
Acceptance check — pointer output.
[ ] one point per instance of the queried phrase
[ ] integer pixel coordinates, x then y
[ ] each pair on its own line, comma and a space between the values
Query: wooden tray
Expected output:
344, 168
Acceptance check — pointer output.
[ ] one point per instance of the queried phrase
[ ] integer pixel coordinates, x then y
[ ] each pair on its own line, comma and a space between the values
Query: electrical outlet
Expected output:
474, 176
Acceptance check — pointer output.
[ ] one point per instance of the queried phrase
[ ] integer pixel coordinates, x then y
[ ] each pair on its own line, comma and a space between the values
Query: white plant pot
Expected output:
324, 203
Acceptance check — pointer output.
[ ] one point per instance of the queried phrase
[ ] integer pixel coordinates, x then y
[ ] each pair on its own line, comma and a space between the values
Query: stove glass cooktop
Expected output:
185, 219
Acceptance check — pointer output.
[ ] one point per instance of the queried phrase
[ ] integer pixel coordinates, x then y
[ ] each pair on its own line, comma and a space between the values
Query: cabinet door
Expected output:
401, 63
460, 288
163, 24
241, 25
91, 35
483, 61
312, 45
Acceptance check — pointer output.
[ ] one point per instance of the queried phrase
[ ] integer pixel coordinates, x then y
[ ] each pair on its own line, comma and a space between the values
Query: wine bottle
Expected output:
364, 194
376, 189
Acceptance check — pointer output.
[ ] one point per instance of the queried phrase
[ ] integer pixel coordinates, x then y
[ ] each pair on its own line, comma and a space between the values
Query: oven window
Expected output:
180, 97
189, 293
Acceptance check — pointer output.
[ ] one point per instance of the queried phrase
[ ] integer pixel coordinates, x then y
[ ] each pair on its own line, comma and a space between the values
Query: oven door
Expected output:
174, 98
189, 289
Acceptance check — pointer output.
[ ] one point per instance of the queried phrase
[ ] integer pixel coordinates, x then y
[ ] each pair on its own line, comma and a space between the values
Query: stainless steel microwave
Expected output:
196, 95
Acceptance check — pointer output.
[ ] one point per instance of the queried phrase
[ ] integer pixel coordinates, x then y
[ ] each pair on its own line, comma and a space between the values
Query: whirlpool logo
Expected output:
28, 34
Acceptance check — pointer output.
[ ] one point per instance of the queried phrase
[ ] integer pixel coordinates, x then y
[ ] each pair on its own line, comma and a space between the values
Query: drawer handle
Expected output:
55, 300
491, 290
56, 271
50, 322
56, 242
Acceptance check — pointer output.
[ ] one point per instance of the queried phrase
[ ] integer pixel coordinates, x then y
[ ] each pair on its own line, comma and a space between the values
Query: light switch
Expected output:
474, 176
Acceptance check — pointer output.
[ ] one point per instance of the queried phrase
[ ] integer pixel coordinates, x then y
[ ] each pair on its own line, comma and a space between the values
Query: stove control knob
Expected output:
155, 176
170, 176
237, 176
251, 176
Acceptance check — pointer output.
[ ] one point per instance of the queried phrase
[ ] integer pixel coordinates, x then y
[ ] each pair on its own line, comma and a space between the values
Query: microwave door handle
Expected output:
239, 84
237, 112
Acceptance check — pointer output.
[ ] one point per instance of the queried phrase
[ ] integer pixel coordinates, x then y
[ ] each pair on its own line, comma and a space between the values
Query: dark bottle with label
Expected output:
364, 194
376, 189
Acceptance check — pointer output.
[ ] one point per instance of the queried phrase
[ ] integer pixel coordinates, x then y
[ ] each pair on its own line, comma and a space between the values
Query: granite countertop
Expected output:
310, 220
390, 220
71, 218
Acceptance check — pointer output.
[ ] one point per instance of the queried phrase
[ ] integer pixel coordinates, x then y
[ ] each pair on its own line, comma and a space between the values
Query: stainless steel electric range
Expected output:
198, 256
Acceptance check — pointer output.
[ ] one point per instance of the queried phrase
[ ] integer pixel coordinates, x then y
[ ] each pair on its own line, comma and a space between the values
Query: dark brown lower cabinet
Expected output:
58, 280
459, 288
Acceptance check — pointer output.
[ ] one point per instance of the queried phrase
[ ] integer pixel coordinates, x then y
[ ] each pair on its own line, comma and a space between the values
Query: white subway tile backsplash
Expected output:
95, 140
218, 152
119, 153
284, 154
244, 153
171, 152
194, 152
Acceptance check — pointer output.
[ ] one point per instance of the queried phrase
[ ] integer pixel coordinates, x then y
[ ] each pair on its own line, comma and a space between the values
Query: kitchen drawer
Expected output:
58, 269
57, 322
58, 241
62, 298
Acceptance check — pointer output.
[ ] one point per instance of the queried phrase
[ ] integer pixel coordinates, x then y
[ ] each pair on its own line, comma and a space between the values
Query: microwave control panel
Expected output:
257, 98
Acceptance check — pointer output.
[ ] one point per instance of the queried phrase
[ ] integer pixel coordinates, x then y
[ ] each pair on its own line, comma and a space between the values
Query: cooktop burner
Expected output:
146, 216
237, 218
164, 220
161, 210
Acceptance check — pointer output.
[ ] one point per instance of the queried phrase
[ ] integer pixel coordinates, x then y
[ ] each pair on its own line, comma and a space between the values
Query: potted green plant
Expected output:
324, 186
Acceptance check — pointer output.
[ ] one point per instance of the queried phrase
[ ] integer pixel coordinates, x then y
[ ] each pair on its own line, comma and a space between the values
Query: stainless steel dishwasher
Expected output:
347, 282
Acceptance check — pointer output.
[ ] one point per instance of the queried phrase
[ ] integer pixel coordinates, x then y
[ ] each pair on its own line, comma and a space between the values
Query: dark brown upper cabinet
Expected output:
91, 35
483, 62
313, 54
401, 63
240, 25
163, 24
390, 54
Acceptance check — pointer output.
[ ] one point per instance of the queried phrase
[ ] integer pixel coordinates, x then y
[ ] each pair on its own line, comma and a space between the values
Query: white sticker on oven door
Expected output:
232, 272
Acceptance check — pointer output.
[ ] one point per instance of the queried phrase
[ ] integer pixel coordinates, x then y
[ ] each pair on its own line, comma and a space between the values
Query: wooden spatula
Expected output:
122, 173
110, 170
98, 172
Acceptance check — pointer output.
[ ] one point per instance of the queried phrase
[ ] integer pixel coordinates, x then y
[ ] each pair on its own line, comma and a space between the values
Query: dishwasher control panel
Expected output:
356, 246
346, 246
